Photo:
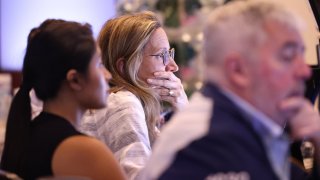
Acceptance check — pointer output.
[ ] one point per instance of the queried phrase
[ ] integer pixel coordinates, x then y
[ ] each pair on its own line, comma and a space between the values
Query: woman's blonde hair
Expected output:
124, 39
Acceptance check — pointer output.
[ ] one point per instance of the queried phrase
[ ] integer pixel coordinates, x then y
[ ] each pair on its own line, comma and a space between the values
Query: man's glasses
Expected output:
165, 55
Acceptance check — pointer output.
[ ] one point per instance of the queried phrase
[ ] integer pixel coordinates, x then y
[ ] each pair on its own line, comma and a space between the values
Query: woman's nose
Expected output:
107, 75
172, 66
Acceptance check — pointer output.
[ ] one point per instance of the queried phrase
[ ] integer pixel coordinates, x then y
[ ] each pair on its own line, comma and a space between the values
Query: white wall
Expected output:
18, 17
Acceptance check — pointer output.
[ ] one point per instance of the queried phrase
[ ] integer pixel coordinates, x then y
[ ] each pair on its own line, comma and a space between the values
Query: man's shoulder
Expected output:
205, 116
211, 136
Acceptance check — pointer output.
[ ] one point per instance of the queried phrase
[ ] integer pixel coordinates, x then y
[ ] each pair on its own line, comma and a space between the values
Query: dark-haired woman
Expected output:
63, 66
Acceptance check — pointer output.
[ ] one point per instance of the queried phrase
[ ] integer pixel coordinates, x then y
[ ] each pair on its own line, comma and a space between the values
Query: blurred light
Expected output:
19, 17
185, 85
200, 36
198, 85
186, 37
128, 6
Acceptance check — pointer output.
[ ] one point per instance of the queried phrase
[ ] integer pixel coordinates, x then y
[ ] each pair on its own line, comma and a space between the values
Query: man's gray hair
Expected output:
239, 27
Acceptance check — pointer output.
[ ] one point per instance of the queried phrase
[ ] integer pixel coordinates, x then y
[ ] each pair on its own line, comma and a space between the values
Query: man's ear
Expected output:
74, 80
120, 65
237, 70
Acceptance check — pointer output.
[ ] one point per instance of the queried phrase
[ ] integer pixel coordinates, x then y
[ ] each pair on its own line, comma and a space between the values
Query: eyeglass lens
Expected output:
167, 55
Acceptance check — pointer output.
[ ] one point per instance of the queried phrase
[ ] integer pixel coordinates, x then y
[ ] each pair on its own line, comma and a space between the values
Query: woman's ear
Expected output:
74, 80
120, 65
237, 70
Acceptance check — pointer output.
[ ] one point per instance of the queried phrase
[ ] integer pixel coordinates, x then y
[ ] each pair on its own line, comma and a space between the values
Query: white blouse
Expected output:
122, 127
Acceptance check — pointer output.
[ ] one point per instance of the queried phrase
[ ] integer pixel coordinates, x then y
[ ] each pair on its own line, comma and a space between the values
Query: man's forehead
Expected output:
288, 35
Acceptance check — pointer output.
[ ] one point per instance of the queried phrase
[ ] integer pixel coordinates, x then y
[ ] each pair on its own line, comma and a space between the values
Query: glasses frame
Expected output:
165, 55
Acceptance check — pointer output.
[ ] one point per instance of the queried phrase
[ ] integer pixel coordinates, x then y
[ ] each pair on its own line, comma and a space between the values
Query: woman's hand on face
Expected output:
169, 88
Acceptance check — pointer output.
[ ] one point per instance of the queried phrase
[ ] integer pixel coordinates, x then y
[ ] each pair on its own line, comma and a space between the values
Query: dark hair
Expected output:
55, 47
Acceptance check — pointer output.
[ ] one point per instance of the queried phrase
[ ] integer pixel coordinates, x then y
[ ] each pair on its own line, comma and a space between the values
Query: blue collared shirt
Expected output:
275, 141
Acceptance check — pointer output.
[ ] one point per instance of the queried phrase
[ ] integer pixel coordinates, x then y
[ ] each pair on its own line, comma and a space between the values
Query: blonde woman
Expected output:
135, 49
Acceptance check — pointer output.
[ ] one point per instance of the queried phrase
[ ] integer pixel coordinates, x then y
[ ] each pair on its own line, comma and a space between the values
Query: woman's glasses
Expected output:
165, 55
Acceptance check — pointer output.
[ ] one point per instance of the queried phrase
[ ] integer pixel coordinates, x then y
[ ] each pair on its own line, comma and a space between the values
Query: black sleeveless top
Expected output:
47, 132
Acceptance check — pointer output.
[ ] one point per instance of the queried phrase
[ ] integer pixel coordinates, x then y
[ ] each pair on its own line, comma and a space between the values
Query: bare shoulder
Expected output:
85, 156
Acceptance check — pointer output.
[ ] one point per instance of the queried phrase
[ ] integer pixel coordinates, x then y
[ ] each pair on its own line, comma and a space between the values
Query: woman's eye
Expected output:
158, 56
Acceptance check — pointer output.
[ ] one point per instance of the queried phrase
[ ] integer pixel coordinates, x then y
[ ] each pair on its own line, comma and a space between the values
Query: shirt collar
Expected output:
274, 129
